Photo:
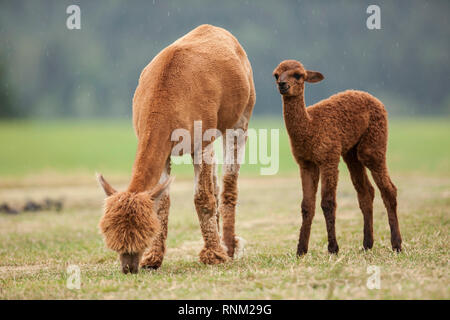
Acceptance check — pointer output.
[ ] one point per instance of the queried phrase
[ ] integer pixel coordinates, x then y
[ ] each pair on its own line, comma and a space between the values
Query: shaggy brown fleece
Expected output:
351, 124
129, 222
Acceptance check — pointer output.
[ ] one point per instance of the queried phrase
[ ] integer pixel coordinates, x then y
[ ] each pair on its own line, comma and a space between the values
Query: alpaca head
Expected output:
130, 222
290, 76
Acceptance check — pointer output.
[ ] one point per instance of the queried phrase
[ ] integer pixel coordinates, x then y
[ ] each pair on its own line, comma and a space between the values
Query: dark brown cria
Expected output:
352, 124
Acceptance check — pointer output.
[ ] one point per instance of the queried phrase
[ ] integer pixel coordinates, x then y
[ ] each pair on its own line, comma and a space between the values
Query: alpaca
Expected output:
203, 76
352, 124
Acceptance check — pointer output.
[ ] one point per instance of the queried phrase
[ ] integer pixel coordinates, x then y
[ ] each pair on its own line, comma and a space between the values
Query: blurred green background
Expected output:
82, 147
49, 71
65, 95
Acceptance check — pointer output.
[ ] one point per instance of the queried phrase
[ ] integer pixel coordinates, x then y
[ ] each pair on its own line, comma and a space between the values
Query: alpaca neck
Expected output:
296, 117
152, 153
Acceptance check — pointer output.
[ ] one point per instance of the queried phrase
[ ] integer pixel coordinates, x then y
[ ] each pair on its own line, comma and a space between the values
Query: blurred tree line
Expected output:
47, 70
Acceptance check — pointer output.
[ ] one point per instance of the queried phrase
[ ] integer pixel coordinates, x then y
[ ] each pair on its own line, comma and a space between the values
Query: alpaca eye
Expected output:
297, 76
276, 76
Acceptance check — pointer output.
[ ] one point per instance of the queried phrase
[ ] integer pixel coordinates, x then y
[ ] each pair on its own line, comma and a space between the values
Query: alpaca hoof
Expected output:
213, 256
301, 251
397, 247
333, 248
396, 243
151, 261
367, 245
239, 245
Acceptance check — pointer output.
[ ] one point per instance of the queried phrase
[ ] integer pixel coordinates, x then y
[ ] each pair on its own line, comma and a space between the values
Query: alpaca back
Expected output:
193, 78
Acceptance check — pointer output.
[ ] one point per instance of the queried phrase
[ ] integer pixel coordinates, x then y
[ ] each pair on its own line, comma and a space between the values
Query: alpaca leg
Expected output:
205, 204
310, 178
233, 152
389, 194
376, 162
153, 258
365, 193
329, 176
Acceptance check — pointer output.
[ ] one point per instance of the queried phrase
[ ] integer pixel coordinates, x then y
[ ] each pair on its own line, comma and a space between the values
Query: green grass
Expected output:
57, 160
36, 248
109, 146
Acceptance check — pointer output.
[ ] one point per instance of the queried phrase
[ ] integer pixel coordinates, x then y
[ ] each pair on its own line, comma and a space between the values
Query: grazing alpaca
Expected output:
203, 76
352, 124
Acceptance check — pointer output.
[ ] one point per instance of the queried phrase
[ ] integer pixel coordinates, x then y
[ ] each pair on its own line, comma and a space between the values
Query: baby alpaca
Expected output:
352, 124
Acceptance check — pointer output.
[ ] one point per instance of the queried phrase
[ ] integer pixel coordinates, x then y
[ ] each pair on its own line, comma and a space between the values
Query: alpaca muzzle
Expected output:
130, 262
283, 87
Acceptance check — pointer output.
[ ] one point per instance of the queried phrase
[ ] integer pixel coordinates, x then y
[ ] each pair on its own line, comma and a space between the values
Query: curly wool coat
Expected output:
352, 124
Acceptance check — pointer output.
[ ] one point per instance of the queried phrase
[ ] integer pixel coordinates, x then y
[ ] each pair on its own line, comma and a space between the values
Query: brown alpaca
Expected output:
351, 124
203, 76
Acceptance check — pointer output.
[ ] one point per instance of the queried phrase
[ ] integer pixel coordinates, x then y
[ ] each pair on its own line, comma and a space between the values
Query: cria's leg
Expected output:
371, 152
310, 179
153, 258
233, 146
365, 194
329, 176
389, 195
205, 204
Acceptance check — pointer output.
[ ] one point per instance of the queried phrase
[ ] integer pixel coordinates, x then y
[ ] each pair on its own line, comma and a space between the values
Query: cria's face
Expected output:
290, 82
290, 77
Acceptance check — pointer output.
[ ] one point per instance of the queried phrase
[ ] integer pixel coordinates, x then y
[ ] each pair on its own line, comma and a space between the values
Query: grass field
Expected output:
58, 160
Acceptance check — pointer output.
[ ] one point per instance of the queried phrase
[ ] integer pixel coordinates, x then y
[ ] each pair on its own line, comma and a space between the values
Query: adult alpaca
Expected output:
351, 124
203, 76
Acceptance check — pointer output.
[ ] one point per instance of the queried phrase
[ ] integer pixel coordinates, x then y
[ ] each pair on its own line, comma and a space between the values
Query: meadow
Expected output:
59, 159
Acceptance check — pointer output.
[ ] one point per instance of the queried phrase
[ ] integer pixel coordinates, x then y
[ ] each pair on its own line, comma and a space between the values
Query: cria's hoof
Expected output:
333, 248
368, 244
397, 248
396, 244
151, 261
213, 256
301, 251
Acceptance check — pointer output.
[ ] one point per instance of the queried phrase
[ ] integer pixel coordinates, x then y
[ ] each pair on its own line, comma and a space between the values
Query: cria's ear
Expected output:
105, 185
314, 76
159, 190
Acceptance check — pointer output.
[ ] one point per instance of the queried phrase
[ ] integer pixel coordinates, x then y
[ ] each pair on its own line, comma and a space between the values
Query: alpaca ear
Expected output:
105, 185
159, 190
314, 76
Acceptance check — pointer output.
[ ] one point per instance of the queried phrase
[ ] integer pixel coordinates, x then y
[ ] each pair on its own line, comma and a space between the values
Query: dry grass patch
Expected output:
36, 248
